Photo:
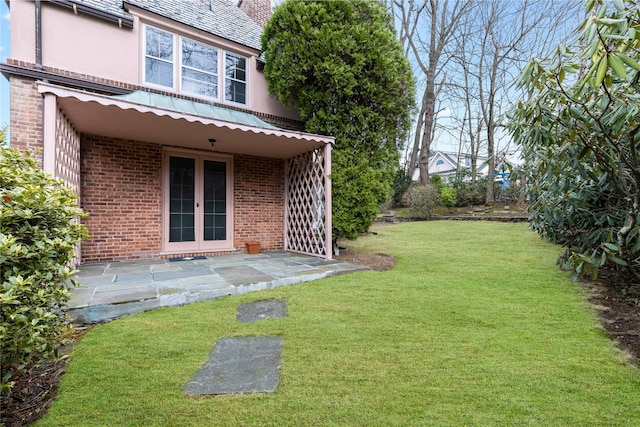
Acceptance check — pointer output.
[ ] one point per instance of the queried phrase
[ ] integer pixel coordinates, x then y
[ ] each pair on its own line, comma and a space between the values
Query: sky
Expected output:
4, 53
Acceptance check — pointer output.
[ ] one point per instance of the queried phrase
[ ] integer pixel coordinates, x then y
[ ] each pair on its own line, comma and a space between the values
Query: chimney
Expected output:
258, 10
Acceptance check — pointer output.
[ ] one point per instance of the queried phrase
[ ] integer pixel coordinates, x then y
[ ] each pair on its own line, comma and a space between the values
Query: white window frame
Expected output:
181, 66
144, 59
246, 78
177, 67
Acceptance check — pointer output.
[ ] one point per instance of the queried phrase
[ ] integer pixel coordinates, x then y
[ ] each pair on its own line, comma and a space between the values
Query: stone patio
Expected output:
112, 290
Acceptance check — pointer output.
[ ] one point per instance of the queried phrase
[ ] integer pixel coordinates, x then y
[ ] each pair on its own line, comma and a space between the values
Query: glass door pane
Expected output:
181, 199
215, 200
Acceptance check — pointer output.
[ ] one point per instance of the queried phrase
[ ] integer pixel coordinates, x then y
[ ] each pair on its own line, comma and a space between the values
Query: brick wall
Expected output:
25, 117
121, 188
259, 201
121, 191
258, 10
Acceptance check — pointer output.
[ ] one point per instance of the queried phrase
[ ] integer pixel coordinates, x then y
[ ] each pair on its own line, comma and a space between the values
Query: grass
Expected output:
474, 325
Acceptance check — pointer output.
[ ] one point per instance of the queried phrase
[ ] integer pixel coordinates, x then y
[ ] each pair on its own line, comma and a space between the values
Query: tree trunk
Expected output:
413, 161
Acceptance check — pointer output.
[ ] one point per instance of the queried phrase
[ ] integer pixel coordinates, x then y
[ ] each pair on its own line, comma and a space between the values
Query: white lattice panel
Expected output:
67, 160
67, 152
306, 197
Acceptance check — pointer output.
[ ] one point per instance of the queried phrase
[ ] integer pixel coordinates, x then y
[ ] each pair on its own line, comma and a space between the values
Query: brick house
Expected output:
157, 113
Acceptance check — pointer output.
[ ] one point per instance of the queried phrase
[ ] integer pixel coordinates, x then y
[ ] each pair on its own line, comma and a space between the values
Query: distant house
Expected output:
157, 113
446, 164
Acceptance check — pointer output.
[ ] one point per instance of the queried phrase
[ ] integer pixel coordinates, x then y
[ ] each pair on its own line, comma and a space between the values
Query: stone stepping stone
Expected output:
239, 365
264, 309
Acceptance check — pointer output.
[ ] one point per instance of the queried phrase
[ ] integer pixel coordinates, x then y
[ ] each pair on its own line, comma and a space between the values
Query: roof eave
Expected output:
77, 7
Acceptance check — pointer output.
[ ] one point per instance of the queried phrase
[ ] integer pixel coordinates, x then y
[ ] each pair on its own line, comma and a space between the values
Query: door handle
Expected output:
197, 205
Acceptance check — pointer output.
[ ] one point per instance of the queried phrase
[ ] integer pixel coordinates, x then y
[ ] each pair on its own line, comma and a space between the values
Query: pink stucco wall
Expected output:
88, 45
85, 45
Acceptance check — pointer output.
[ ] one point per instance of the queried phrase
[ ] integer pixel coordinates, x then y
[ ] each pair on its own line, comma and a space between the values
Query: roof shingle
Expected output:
221, 18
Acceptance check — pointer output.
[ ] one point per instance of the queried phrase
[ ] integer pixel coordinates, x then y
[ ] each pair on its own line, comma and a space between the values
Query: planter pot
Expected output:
253, 248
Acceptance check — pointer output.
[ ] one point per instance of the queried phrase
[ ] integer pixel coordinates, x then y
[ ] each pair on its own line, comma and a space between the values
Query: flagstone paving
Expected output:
112, 290
253, 311
240, 365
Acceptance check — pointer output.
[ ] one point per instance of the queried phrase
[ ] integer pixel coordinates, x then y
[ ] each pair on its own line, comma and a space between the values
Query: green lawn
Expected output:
475, 325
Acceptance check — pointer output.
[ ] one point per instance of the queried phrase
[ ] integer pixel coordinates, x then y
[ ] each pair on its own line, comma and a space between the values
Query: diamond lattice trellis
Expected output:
306, 230
67, 160
67, 153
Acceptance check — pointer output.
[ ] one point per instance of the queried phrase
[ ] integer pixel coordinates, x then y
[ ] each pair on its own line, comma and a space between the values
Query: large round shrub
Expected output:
422, 201
39, 231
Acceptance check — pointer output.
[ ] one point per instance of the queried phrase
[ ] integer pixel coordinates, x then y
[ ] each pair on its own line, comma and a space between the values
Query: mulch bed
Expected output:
36, 388
618, 310
32, 394
376, 262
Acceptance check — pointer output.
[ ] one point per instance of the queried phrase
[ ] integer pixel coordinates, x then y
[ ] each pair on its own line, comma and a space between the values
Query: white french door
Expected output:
198, 203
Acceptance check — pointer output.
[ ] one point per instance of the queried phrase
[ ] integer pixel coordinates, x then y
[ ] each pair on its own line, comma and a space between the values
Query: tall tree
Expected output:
340, 65
441, 18
466, 54
510, 33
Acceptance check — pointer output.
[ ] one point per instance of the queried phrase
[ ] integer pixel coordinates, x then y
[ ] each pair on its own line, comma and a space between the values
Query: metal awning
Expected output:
193, 108
165, 120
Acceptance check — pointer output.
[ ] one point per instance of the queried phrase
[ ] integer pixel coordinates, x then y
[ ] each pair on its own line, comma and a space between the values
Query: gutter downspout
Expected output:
38, 35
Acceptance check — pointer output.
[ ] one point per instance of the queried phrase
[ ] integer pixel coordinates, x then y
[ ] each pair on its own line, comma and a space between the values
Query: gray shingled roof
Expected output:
221, 18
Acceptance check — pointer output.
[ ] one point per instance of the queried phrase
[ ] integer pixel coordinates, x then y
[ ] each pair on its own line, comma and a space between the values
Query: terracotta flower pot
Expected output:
253, 248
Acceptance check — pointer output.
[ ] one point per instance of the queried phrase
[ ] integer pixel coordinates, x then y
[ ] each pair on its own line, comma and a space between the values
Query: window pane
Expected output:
159, 44
235, 67
199, 68
181, 199
158, 57
235, 91
208, 234
199, 56
215, 185
199, 83
235, 78
221, 233
221, 221
159, 72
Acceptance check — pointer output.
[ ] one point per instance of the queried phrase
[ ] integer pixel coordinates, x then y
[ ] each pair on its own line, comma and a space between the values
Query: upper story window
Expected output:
158, 57
199, 70
235, 85
197, 67
440, 162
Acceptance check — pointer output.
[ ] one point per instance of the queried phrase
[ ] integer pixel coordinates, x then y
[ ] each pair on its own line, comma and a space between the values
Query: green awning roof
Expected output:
186, 106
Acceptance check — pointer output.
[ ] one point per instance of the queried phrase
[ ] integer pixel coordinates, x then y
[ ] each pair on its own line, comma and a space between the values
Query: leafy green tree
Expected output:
340, 65
579, 132
39, 230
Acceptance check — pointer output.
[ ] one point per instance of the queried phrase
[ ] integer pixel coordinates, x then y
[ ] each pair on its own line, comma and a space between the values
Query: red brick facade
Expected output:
25, 117
259, 201
121, 190
258, 10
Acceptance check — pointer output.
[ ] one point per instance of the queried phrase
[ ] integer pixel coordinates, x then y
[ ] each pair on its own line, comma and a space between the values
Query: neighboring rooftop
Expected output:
221, 18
